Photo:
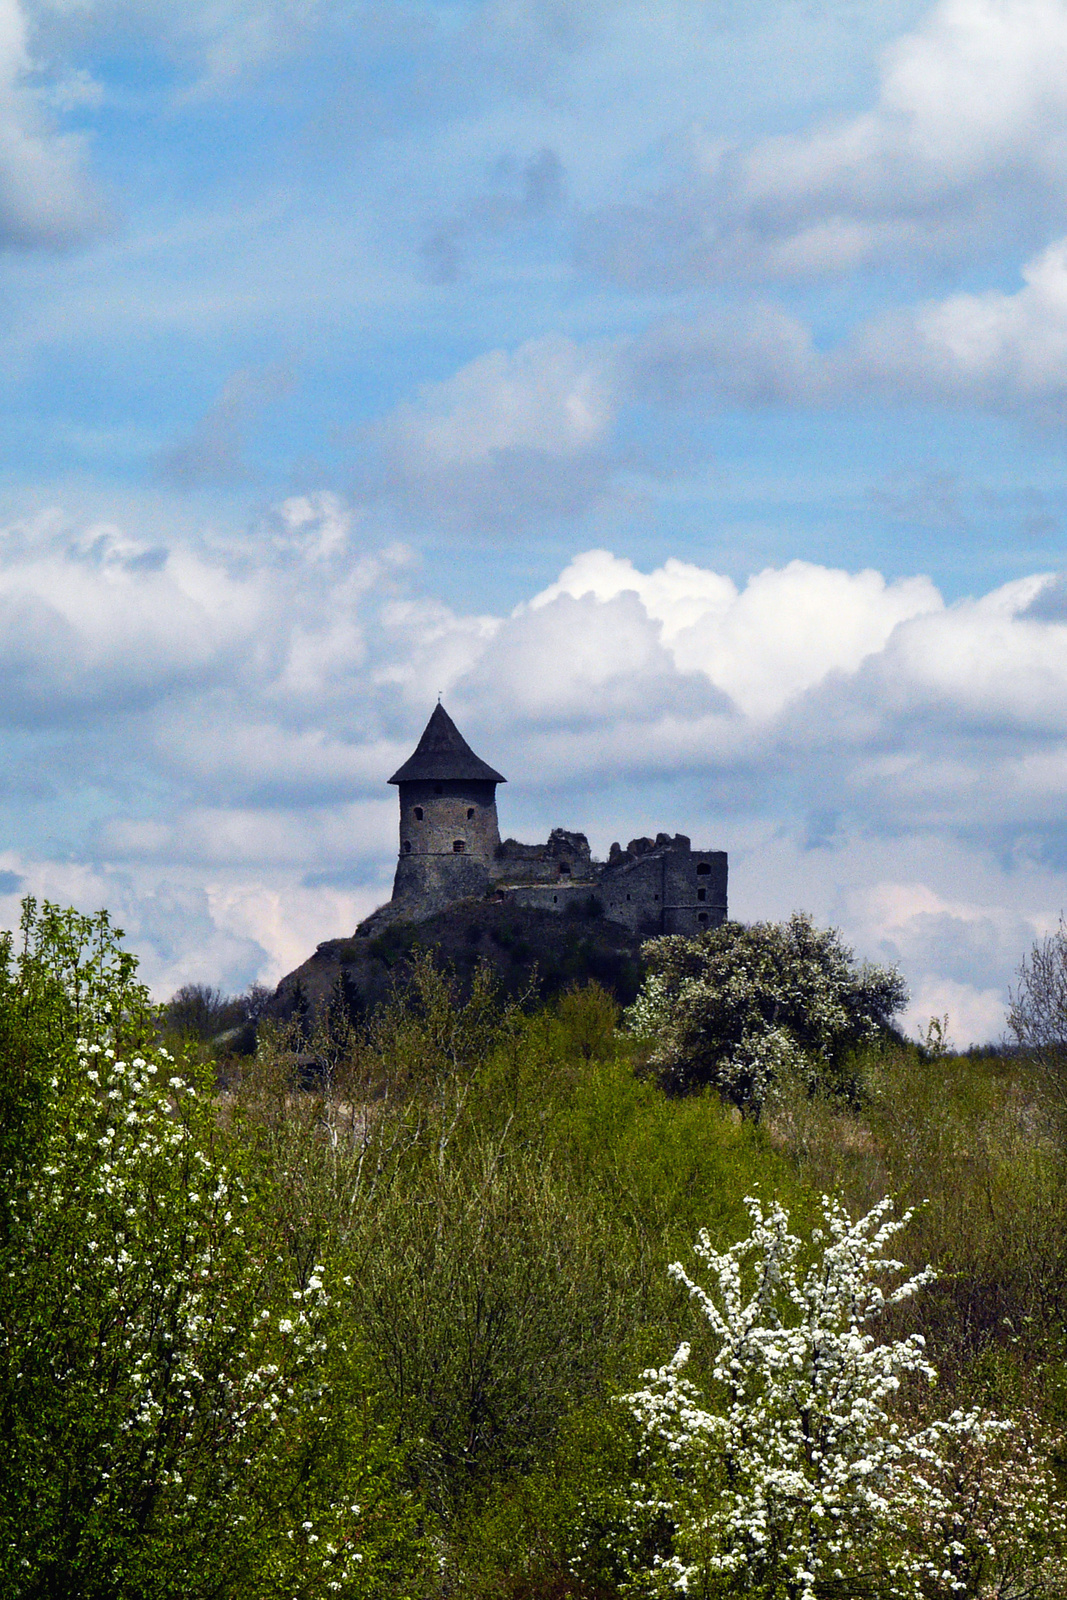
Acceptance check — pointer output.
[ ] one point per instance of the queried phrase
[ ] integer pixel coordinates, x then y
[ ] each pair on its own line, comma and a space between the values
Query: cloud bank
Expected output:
967, 128
892, 762
420, 325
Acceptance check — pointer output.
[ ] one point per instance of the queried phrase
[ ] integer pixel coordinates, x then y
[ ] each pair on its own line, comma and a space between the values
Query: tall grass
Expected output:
976, 1144
501, 1193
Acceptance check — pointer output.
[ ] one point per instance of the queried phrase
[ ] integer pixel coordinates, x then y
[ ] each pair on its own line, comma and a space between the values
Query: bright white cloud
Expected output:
780, 636
513, 439
967, 133
860, 747
585, 660
286, 923
1006, 349
978, 89
986, 659
1003, 350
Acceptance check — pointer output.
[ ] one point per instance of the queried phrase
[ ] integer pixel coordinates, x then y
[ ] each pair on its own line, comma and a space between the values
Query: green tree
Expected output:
178, 1416
737, 1007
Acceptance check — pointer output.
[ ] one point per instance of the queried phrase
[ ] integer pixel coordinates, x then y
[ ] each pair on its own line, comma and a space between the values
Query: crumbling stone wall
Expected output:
565, 856
654, 886
663, 885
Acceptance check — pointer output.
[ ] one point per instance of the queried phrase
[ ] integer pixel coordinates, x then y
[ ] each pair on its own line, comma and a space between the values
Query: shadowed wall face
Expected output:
672, 889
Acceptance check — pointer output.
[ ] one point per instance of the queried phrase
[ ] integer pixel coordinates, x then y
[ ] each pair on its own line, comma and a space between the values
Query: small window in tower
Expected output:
702, 894
702, 916
470, 812
703, 869
627, 897
655, 897
555, 899
564, 869
407, 847
418, 813
458, 846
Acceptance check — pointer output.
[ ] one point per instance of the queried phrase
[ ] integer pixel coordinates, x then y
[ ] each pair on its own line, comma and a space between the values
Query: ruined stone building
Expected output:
451, 850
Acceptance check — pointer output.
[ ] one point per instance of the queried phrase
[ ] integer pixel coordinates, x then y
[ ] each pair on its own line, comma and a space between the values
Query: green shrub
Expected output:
806, 1468
973, 1141
179, 1414
568, 1530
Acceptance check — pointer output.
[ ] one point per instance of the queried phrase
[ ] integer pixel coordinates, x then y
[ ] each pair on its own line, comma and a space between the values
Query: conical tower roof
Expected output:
444, 753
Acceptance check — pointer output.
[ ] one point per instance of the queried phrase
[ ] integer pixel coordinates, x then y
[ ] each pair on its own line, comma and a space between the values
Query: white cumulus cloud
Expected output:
785, 632
513, 437
895, 764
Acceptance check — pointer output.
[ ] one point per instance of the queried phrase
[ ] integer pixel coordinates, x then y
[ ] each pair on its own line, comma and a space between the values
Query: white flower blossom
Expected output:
799, 1472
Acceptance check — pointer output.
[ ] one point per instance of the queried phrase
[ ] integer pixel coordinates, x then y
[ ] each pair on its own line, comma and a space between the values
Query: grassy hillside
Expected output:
472, 1213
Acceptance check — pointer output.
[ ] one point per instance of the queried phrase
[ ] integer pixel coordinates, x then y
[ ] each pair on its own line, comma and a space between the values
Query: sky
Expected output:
679, 390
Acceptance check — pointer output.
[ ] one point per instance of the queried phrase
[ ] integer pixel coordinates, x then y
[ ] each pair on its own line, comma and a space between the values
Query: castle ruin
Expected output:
451, 850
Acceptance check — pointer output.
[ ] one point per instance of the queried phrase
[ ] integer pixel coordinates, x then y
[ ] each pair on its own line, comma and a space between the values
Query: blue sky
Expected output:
679, 389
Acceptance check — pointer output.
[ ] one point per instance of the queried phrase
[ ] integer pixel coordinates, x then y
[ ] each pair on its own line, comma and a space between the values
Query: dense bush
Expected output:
802, 1473
200, 1014
737, 1008
179, 1415
973, 1142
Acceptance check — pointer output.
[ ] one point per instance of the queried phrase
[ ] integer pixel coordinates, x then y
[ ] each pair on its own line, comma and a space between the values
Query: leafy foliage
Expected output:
176, 1408
738, 1008
473, 1199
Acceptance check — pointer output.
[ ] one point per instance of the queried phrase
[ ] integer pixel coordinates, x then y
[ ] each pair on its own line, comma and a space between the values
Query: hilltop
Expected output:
526, 948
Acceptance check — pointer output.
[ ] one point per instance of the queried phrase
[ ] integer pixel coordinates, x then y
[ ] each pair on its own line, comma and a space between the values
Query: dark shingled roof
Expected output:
444, 753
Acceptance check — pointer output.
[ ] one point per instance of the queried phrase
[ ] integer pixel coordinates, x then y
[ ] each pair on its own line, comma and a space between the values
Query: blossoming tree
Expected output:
176, 1414
736, 1007
795, 1478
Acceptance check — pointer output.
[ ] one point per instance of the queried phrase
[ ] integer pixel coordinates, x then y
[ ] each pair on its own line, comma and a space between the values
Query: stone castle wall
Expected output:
652, 887
450, 850
448, 839
665, 886
563, 856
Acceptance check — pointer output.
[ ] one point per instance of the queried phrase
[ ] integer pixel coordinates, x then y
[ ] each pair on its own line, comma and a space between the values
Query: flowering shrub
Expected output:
797, 1479
996, 1526
173, 1398
738, 1007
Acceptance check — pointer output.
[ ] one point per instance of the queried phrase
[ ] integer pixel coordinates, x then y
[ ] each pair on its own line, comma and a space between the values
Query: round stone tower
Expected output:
448, 827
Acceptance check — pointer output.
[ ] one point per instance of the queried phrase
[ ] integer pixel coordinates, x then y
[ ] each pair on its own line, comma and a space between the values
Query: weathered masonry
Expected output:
448, 828
451, 850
